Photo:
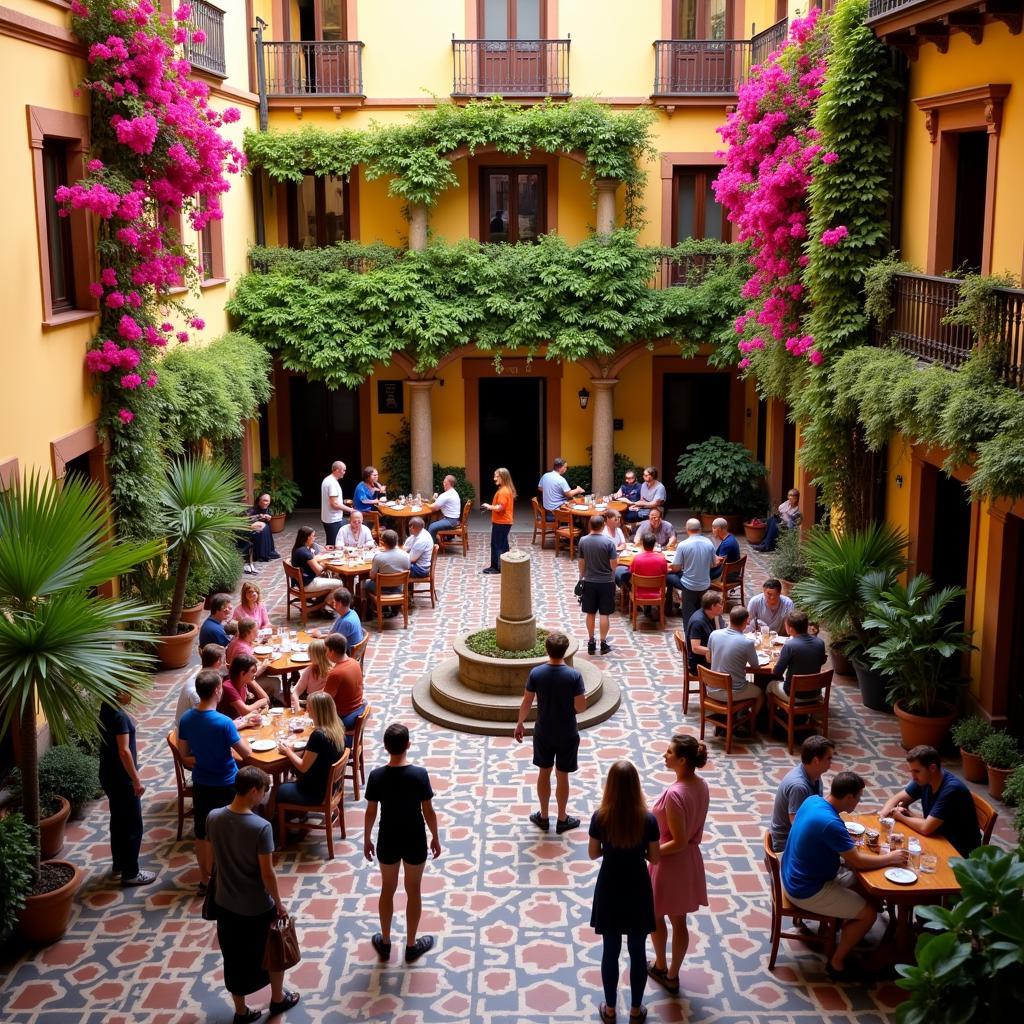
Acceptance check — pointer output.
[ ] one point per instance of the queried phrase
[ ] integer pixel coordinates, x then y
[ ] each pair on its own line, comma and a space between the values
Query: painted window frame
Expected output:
703, 176
513, 171
291, 196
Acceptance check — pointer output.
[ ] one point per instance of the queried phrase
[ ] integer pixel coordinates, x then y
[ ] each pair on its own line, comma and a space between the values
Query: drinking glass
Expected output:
772, 636
929, 862
914, 849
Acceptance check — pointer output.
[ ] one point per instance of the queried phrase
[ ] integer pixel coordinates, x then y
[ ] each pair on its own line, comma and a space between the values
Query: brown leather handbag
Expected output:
282, 950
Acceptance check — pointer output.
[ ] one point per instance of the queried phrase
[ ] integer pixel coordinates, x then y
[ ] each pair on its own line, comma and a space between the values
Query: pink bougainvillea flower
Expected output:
126, 415
130, 381
182, 336
129, 328
151, 380
197, 322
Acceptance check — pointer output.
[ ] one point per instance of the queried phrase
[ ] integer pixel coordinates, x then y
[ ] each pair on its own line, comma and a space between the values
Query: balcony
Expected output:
313, 68
920, 304
519, 68
209, 54
907, 24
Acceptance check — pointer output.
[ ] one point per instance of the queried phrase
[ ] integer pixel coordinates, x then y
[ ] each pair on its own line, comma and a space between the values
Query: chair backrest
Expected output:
987, 816
433, 561
357, 729
683, 647
647, 582
392, 579
467, 507
771, 862
179, 765
563, 518
359, 650
732, 572
714, 681
336, 779
810, 684
292, 575
538, 514
371, 520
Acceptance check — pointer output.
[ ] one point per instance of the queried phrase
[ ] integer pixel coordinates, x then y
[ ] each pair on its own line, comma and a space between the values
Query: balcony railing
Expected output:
209, 54
920, 304
510, 67
879, 8
313, 68
767, 42
700, 67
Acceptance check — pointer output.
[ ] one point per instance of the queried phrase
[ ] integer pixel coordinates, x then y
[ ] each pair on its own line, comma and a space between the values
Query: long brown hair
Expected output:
505, 479
302, 539
623, 808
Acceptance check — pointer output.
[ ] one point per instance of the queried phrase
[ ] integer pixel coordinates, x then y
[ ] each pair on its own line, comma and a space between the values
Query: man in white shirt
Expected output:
554, 489
332, 504
768, 610
354, 534
420, 547
449, 504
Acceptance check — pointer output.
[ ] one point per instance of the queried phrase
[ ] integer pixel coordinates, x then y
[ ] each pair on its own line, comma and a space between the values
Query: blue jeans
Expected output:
419, 572
622, 576
441, 524
499, 543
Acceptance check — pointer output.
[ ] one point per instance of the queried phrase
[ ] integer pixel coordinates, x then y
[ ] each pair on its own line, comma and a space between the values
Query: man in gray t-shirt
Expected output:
390, 558
691, 568
801, 781
598, 560
733, 653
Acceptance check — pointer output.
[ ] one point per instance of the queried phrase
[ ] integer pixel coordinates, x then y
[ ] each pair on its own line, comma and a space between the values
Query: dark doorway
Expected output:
788, 457
951, 541
969, 208
78, 467
762, 429
695, 407
325, 427
512, 433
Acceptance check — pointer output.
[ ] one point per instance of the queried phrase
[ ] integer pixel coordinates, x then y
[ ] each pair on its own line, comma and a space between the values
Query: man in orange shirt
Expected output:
344, 681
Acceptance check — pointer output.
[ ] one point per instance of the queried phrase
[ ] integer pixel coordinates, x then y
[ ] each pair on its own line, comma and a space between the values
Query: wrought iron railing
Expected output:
510, 67
767, 42
313, 68
209, 54
879, 8
700, 67
689, 269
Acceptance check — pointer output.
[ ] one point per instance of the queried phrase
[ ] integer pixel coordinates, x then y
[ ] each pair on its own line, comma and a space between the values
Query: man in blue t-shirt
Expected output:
347, 623
560, 696
212, 630
727, 547
799, 783
206, 739
816, 862
946, 803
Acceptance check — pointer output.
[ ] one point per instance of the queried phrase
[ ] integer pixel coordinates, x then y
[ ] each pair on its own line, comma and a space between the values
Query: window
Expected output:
696, 213
210, 246
58, 229
512, 19
513, 207
700, 19
318, 212
322, 19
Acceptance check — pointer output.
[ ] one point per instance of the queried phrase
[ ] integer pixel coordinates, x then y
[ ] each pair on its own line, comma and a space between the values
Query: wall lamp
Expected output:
584, 397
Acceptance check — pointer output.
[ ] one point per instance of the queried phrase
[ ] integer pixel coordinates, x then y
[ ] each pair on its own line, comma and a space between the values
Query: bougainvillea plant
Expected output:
773, 151
157, 160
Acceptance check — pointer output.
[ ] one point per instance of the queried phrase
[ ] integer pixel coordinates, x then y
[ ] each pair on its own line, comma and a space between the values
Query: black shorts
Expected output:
598, 597
411, 848
562, 756
206, 799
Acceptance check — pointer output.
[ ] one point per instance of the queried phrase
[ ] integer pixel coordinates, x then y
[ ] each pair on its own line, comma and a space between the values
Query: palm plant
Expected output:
916, 642
201, 514
61, 642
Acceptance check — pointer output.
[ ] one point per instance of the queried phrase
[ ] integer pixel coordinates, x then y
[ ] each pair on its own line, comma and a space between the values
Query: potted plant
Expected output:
54, 811
831, 593
201, 516
197, 589
62, 645
1001, 755
1013, 794
755, 529
721, 479
16, 852
68, 772
917, 650
968, 735
788, 562
284, 492
841, 662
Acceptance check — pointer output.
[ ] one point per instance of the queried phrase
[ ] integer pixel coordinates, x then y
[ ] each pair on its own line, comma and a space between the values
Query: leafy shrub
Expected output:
1013, 793
582, 476
486, 642
200, 582
788, 562
17, 851
467, 492
396, 462
284, 492
225, 580
719, 476
70, 773
969, 733
1000, 750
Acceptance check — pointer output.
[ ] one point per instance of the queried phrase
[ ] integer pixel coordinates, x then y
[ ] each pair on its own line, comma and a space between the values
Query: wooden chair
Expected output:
785, 711
781, 908
566, 531
732, 577
181, 779
647, 583
987, 817
541, 523
719, 712
332, 810
356, 764
454, 533
689, 690
359, 651
425, 582
398, 600
371, 520
311, 601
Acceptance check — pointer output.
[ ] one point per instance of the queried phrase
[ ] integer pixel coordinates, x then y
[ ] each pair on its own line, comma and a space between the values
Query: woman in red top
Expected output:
501, 517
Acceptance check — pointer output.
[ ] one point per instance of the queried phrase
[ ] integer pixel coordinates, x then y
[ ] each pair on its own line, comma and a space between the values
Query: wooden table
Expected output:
402, 515
630, 551
582, 510
272, 761
350, 570
282, 664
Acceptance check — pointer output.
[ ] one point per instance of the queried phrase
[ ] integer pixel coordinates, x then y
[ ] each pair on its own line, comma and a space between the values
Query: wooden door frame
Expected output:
734, 13
286, 212
282, 15
513, 171
478, 162
475, 19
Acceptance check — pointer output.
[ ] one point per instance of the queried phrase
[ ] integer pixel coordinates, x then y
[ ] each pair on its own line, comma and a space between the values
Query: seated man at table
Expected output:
555, 490
647, 563
768, 610
800, 782
211, 656
240, 684
347, 624
664, 532
390, 558
802, 654
701, 625
212, 630
368, 493
449, 505
630, 489
727, 547
652, 495
344, 681
691, 568
419, 546
612, 519
733, 653
355, 534
946, 803
817, 863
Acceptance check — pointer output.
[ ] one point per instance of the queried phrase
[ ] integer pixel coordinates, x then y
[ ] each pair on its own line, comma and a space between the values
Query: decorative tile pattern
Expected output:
510, 906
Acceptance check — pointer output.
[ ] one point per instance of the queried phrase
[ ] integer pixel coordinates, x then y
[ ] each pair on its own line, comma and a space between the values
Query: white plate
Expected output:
901, 876
263, 649
762, 658
855, 828
262, 746
299, 659
298, 744
277, 711
600, 508
580, 508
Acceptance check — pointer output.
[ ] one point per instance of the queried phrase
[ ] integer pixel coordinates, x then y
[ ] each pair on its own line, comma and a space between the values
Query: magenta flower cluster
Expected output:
158, 156
772, 152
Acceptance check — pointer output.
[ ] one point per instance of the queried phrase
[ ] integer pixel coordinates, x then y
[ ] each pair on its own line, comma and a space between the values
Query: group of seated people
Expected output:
643, 498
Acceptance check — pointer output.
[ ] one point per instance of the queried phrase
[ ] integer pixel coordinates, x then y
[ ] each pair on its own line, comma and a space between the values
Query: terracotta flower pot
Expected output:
194, 615
174, 651
787, 586
44, 918
973, 766
754, 534
919, 730
997, 780
51, 831
706, 519
277, 522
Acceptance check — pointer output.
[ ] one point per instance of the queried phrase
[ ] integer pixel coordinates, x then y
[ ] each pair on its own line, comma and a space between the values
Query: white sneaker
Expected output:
249, 568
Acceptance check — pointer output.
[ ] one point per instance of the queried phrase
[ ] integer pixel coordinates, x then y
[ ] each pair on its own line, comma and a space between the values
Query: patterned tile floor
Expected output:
510, 906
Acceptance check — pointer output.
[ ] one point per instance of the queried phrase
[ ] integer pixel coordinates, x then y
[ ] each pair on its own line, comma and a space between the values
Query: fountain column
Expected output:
516, 625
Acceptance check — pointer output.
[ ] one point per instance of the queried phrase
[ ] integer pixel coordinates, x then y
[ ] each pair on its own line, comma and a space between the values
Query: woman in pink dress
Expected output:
678, 878
250, 606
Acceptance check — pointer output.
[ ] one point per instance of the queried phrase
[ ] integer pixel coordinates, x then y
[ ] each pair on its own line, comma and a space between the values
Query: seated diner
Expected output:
305, 558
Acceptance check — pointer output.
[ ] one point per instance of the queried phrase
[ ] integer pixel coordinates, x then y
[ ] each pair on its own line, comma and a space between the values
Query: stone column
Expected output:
516, 626
606, 188
417, 226
421, 432
603, 437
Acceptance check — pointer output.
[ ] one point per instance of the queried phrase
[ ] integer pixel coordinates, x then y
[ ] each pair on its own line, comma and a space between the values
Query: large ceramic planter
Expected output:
194, 615
973, 766
754, 534
174, 651
787, 587
707, 518
918, 730
51, 831
873, 688
44, 919
840, 662
277, 522
997, 780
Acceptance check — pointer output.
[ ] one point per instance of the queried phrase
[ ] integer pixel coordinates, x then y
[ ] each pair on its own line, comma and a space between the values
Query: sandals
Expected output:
248, 1017
290, 999
607, 1013
660, 975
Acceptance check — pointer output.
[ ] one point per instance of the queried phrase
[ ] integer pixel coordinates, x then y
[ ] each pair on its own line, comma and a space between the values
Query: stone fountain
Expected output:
475, 693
